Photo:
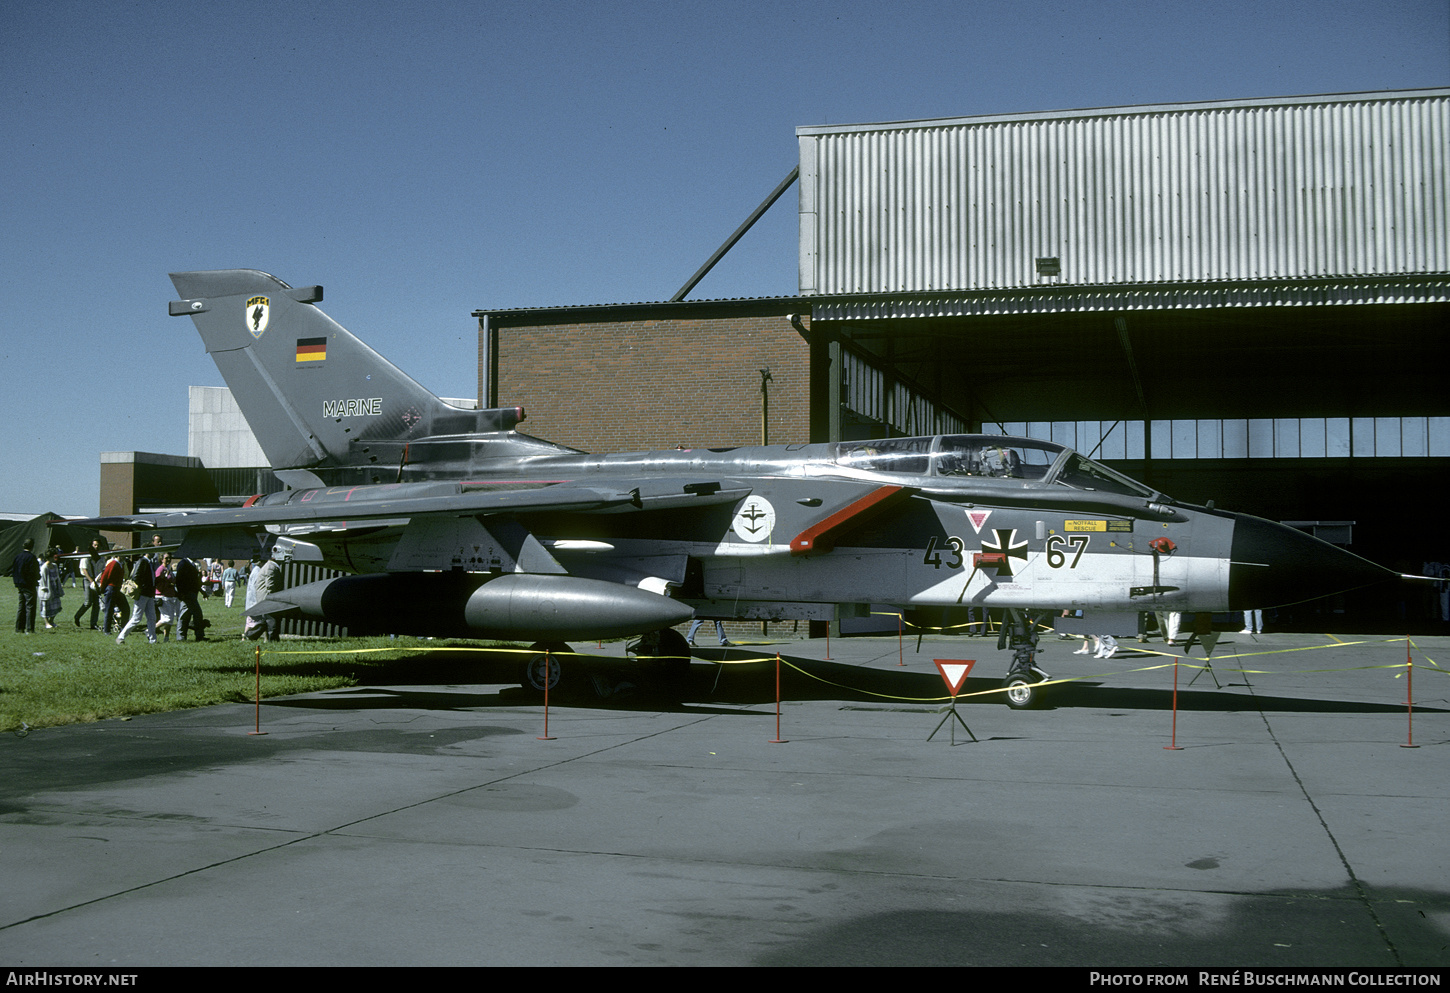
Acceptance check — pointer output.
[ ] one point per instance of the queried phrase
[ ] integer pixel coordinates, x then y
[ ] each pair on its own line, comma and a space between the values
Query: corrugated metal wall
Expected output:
1319, 187
217, 432
299, 574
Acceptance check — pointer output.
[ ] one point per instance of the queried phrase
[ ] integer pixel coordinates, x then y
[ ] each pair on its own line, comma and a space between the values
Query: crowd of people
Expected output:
152, 590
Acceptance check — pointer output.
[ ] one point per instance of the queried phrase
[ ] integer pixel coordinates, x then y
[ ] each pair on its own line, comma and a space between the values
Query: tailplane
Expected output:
318, 398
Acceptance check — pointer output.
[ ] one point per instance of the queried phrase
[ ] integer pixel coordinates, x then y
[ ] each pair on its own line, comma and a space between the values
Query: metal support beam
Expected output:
1121, 323
739, 233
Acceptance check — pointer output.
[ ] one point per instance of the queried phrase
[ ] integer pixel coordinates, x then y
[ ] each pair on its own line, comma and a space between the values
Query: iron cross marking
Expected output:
1008, 545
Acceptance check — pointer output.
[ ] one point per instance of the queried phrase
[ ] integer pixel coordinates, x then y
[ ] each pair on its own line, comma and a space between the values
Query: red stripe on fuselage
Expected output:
818, 537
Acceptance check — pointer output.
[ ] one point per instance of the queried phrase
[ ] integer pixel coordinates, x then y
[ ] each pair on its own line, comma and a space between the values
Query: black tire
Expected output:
672, 646
666, 655
674, 657
1021, 693
532, 677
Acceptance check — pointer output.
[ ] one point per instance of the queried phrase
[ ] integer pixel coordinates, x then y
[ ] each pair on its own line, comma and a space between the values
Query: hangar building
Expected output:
1239, 301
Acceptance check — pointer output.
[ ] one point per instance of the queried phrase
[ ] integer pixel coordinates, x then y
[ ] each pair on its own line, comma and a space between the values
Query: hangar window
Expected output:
1286, 438
890, 406
1095, 439
1416, 437
1249, 438
1313, 437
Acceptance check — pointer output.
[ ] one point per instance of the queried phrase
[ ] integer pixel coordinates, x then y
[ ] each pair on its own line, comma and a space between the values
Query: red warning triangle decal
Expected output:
954, 672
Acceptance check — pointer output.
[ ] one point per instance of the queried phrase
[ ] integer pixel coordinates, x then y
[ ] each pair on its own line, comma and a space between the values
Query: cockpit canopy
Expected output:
986, 456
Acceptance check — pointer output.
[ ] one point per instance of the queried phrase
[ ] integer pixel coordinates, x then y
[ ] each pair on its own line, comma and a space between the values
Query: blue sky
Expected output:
424, 160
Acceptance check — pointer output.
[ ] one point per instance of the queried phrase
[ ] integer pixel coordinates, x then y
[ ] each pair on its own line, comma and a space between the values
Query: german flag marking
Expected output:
311, 349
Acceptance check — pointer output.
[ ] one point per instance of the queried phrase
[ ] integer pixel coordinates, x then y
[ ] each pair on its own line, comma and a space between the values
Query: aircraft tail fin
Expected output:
315, 396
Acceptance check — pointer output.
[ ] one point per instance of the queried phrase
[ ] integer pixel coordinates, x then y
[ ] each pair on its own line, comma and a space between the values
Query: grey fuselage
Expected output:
896, 526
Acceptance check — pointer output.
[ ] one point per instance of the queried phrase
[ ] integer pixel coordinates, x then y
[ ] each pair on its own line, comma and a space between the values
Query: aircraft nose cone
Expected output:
1272, 565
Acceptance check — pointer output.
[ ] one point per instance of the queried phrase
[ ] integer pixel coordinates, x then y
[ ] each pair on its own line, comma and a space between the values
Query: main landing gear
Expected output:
665, 654
544, 666
1019, 632
658, 660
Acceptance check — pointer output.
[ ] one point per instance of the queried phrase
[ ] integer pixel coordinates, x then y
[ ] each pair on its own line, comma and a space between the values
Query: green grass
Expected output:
72, 675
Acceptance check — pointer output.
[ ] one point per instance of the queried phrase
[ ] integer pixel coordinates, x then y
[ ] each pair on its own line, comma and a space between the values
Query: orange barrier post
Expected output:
548, 668
1409, 695
1173, 746
777, 740
257, 697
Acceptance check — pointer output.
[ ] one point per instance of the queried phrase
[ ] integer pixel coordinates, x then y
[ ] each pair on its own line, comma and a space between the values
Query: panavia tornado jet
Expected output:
455, 524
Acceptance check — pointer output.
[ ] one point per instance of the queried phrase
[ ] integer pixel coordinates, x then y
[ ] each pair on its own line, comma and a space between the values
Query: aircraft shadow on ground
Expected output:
620, 683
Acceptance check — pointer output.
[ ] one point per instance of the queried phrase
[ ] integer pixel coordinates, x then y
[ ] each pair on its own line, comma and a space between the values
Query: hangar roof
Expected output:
1146, 108
598, 311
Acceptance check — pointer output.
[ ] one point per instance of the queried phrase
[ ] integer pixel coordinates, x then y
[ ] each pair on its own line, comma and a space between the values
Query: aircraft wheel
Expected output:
666, 652
674, 652
670, 644
546, 660
1021, 694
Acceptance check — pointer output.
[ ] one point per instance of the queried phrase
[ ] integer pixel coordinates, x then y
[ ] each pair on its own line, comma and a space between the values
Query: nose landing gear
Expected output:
1020, 634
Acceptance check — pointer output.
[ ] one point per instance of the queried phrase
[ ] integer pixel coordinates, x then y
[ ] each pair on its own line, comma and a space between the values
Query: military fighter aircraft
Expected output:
455, 524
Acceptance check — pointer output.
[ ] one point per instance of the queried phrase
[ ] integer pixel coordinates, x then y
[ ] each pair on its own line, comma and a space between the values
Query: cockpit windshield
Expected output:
886, 454
987, 455
952, 455
991, 455
1085, 474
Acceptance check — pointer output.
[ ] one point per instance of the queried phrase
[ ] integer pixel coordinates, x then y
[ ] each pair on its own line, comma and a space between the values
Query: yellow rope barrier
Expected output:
1182, 660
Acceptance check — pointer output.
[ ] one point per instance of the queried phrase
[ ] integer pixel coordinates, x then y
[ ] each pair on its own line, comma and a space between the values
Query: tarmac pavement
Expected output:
428, 824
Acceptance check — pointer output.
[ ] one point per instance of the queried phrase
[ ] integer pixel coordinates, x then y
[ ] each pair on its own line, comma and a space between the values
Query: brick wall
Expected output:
655, 381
